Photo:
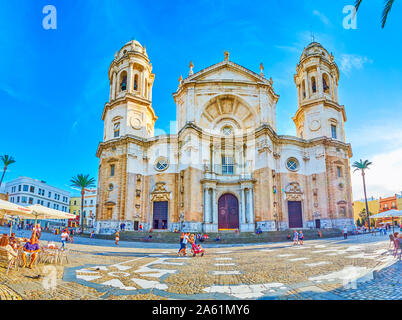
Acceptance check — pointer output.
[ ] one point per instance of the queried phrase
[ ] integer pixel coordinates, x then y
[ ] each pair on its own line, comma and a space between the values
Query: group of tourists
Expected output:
298, 237
186, 238
12, 245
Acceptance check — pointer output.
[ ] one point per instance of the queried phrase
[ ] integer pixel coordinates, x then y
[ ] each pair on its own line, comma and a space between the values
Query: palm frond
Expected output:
361, 165
7, 160
82, 181
387, 9
357, 4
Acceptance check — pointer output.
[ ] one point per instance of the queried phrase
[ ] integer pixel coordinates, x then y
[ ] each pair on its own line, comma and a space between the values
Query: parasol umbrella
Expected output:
42, 212
389, 214
9, 209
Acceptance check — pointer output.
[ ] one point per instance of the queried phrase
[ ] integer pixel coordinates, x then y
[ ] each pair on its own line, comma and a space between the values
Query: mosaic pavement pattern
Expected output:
320, 269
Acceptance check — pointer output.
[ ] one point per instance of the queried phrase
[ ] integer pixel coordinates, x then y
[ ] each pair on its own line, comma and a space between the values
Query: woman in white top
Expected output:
64, 238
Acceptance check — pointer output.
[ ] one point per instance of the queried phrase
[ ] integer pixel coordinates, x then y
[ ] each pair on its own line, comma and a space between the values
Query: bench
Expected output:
4, 255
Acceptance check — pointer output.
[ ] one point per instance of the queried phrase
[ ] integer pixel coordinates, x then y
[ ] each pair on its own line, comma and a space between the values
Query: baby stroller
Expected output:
196, 249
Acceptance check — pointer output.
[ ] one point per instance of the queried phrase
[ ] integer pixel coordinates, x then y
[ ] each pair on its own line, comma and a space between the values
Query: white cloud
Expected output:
384, 178
322, 17
353, 61
369, 137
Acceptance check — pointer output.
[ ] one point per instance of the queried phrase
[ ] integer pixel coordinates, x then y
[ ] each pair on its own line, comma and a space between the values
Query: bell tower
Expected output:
319, 113
129, 110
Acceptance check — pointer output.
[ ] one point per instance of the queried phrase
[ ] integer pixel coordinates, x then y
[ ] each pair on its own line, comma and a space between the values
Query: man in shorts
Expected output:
31, 249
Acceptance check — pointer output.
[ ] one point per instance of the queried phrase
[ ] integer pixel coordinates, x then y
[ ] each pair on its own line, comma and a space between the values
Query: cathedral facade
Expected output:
224, 167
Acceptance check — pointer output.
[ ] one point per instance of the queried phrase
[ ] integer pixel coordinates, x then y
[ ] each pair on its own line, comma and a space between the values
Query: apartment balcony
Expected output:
227, 173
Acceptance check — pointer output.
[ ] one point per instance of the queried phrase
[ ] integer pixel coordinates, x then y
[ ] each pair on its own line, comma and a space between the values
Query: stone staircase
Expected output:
226, 237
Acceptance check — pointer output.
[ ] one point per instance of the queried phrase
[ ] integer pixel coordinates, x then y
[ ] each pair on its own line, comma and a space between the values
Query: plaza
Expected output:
358, 268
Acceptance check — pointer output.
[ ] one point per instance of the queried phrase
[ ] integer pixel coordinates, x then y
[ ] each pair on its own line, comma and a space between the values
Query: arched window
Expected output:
313, 84
325, 83
136, 82
116, 129
123, 81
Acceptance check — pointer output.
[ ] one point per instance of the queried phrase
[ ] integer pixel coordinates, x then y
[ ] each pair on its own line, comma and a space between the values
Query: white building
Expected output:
90, 208
27, 191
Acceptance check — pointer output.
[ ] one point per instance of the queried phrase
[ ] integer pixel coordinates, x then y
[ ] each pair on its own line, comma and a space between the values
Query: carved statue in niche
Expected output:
293, 187
160, 193
264, 144
293, 192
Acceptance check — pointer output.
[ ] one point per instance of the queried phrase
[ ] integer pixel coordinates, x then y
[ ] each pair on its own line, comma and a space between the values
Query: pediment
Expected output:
226, 71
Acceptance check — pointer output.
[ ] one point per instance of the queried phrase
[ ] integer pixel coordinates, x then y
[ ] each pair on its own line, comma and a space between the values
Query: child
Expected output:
301, 237
117, 237
201, 250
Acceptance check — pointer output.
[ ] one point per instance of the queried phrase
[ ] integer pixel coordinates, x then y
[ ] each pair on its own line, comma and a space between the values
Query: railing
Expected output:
228, 172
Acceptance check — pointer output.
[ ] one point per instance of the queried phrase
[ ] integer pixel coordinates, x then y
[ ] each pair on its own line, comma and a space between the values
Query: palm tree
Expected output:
363, 165
7, 160
82, 182
387, 9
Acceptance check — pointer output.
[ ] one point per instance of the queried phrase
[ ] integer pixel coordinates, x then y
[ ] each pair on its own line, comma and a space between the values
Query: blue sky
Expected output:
54, 82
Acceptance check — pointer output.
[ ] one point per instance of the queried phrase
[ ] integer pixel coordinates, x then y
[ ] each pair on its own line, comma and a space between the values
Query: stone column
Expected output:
211, 155
299, 93
208, 213
205, 204
336, 92
143, 83
113, 86
319, 81
242, 207
116, 86
214, 207
332, 84
251, 206
111, 89
306, 85
129, 76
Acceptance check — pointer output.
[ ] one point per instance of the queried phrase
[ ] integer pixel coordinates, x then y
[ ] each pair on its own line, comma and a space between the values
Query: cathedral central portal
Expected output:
228, 208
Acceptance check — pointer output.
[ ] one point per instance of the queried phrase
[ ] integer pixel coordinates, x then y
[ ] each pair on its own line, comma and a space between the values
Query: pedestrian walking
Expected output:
64, 237
181, 244
117, 237
92, 235
345, 232
301, 237
295, 237
184, 244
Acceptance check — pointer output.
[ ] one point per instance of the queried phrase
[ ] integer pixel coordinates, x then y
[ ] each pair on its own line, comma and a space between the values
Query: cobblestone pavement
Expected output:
357, 268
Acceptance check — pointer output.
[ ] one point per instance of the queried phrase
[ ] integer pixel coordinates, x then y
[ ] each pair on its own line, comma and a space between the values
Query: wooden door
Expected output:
160, 215
295, 214
228, 212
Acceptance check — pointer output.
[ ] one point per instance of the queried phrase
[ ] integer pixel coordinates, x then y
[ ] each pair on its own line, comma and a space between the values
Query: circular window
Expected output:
292, 164
110, 186
161, 164
227, 130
